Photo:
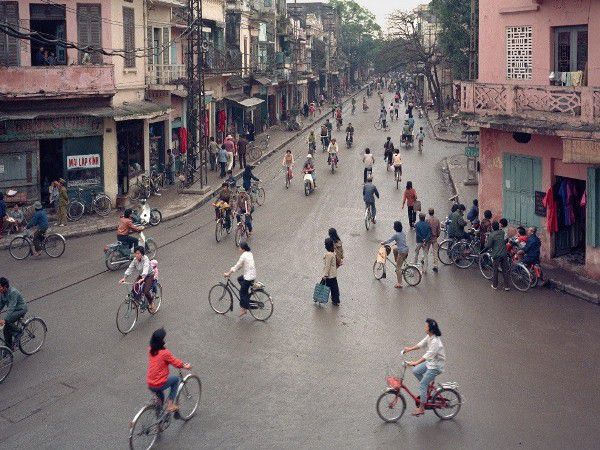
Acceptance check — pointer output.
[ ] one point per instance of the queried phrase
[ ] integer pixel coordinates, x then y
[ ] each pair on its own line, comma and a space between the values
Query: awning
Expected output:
263, 80
97, 111
140, 110
236, 82
244, 100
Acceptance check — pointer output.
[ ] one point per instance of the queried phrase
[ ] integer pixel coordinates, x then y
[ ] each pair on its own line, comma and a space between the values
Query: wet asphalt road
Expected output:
526, 364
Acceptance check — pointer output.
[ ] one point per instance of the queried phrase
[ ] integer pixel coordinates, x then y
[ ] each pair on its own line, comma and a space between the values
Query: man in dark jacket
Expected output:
473, 214
2, 213
423, 237
496, 245
12, 300
242, 147
39, 220
369, 194
456, 229
532, 248
247, 178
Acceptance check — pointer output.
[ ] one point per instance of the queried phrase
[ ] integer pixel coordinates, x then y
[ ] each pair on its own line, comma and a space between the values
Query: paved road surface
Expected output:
527, 364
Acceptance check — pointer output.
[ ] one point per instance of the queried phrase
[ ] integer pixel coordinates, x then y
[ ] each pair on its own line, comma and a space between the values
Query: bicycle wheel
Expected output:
377, 125
157, 298
447, 403
241, 234
115, 260
144, 429
486, 266
520, 277
20, 248
102, 205
260, 196
261, 305
219, 230
220, 298
444, 252
367, 219
155, 217
127, 315
461, 255
32, 336
391, 406
412, 275
151, 248
54, 245
378, 270
6, 361
75, 210
188, 396
287, 180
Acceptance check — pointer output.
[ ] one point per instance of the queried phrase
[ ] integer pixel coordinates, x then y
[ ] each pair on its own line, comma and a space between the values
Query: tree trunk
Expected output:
438, 92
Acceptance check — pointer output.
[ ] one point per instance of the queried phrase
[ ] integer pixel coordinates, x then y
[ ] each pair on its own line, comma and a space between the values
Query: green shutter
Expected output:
508, 198
593, 207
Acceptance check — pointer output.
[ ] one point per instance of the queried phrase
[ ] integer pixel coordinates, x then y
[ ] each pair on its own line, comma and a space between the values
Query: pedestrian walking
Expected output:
337, 243
241, 151
222, 159
400, 250
230, 148
368, 160
497, 248
409, 198
330, 271
213, 151
423, 238
63, 203
169, 167
436, 229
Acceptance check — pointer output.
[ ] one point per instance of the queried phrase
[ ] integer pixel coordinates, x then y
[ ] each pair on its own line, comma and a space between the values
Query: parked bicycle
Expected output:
467, 251
445, 400
22, 246
257, 150
98, 203
154, 418
522, 277
410, 272
186, 177
127, 313
220, 298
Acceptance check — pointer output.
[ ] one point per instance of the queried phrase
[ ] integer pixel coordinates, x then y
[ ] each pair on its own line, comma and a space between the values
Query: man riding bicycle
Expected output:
16, 308
243, 206
333, 152
223, 206
369, 194
39, 220
349, 133
338, 117
141, 264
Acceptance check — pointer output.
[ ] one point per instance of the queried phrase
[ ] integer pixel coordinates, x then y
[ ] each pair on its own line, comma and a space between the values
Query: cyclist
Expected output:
288, 161
411, 123
383, 117
246, 280
431, 364
39, 220
15, 309
368, 160
420, 138
223, 205
349, 133
397, 163
243, 205
325, 133
400, 250
338, 118
141, 264
157, 375
309, 168
247, 177
365, 105
333, 150
406, 132
388, 147
353, 102
312, 142
125, 228
369, 194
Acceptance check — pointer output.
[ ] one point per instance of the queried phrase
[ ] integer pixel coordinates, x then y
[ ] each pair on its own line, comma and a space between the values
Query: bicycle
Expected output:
369, 219
445, 400
241, 231
99, 203
220, 228
153, 418
127, 313
398, 175
29, 337
332, 160
6, 362
257, 193
22, 246
288, 176
410, 272
379, 125
465, 252
220, 298
255, 152
186, 177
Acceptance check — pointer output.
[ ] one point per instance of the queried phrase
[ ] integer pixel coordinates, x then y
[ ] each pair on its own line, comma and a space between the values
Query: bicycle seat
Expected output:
257, 285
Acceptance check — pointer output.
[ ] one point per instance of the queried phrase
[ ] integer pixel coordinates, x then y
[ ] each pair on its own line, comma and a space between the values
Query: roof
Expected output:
236, 82
139, 110
244, 100
263, 80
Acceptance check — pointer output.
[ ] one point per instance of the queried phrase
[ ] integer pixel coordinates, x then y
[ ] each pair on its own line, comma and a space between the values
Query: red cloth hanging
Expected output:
183, 140
551, 211
221, 121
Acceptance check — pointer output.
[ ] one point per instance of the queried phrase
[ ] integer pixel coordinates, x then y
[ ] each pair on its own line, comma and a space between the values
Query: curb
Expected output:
443, 139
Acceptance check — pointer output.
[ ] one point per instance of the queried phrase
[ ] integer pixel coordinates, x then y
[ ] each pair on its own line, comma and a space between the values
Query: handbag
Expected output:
417, 205
321, 293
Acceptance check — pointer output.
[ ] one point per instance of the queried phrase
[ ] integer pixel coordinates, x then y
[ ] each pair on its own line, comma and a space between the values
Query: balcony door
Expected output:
570, 49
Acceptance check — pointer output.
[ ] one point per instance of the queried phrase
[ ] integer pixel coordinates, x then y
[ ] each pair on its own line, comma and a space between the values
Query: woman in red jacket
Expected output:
158, 377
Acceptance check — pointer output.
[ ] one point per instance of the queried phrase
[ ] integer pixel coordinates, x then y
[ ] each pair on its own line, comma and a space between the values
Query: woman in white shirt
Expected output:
431, 364
246, 280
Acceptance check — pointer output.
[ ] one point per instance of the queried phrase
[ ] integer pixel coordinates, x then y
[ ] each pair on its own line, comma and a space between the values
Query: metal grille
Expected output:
519, 53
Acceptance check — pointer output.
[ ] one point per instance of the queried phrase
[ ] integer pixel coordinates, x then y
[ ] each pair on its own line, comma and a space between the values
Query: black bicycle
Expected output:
220, 298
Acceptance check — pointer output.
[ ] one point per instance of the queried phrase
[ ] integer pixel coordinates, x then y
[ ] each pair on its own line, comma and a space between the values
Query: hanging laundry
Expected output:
583, 202
551, 211
576, 78
183, 140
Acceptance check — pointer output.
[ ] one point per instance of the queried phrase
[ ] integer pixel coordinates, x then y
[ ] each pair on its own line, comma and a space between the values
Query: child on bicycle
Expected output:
397, 163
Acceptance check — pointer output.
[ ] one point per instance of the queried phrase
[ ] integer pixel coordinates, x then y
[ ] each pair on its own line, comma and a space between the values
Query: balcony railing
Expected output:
166, 74
221, 61
569, 105
76, 81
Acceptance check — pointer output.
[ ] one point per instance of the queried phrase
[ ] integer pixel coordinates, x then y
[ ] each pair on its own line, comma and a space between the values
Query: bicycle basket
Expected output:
393, 382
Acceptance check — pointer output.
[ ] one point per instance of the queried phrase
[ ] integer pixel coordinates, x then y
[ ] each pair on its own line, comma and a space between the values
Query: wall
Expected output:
109, 144
551, 13
213, 10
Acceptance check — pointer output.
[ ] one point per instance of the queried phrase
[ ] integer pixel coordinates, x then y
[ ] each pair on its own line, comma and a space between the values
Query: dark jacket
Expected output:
495, 244
39, 219
456, 229
369, 193
2, 208
14, 303
532, 249
473, 214
247, 178
423, 231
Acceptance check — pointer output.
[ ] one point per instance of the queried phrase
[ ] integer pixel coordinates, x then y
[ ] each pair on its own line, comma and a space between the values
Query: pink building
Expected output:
537, 103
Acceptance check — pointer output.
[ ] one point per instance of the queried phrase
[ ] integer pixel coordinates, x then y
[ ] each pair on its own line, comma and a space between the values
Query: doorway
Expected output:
569, 240
51, 165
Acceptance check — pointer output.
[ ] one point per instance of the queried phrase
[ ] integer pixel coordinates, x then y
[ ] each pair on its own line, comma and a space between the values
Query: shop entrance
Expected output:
51, 165
130, 146
569, 241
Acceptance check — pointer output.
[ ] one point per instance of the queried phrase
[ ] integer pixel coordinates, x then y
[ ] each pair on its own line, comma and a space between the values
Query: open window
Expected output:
49, 20
570, 55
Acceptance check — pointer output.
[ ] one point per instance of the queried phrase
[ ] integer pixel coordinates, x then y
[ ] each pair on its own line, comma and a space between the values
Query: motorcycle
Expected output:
308, 184
118, 254
147, 215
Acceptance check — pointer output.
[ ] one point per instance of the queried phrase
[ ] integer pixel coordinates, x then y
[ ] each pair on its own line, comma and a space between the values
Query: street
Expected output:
526, 363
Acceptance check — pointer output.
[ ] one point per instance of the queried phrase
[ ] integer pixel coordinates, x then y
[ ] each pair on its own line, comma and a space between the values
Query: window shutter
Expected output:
89, 30
129, 37
149, 45
9, 46
164, 49
593, 207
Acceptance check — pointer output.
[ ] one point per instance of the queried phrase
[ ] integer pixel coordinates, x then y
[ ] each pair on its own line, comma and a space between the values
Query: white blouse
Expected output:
435, 356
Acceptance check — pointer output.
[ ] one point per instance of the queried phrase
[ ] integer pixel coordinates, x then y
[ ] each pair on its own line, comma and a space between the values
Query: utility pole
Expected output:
473, 41
196, 101
293, 14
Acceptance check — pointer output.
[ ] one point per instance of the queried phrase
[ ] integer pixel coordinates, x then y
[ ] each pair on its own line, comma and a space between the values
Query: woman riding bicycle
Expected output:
431, 364
246, 280
157, 376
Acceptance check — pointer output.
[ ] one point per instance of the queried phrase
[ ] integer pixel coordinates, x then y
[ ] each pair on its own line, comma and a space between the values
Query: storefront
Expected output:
130, 148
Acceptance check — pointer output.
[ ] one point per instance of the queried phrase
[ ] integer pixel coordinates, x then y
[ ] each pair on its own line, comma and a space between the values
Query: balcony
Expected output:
165, 74
56, 82
222, 61
555, 107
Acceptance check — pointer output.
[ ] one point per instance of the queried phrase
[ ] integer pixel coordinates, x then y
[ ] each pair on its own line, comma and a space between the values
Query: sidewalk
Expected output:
560, 279
172, 204
454, 133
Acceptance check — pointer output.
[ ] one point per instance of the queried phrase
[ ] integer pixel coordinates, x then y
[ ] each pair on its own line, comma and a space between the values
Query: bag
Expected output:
321, 293
417, 205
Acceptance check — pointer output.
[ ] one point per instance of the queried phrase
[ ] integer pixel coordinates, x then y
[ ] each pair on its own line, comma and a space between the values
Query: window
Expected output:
89, 30
262, 32
129, 37
519, 54
48, 20
593, 207
570, 49
268, 3
9, 46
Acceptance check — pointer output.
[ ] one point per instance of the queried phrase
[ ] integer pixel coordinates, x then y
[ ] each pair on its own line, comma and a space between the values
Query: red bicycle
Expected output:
444, 400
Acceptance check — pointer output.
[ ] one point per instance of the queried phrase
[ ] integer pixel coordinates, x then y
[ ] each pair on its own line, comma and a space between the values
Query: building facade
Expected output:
538, 109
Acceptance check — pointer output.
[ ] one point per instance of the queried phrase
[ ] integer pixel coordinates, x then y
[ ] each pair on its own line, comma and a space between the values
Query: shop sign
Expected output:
472, 152
83, 161
57, 127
